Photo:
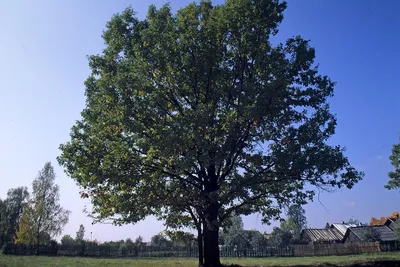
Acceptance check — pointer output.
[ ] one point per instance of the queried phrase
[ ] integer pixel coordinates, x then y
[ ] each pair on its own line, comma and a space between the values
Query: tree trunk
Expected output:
200, 245
211, 244
204, 239
212, 254
37, 243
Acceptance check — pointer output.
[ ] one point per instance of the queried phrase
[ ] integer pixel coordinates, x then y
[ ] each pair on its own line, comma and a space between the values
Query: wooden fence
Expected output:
335, 249
105, 251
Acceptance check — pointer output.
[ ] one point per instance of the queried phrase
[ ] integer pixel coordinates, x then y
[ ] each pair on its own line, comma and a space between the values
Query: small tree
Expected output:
67, 240
15, 202
80, 234
139, 240
296, 220
43, 214
26, 231
280, 237
159, 240
394, 176
233, 226
181, 237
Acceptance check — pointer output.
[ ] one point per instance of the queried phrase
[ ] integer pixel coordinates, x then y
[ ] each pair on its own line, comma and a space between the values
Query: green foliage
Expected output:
80, 234
397, 231
234, 236
198, 112
11, 211
244, 239
43, 217
394, 176
297, 220
181, 238
280, 237
26, 232
232, 224
3, 222
290, 229
15, 201
159, 240
67, 240
138, 240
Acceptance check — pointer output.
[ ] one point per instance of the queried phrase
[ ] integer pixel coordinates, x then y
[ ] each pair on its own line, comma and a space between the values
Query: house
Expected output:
342, 227
392, 223
334, 234
321, 236
381, 233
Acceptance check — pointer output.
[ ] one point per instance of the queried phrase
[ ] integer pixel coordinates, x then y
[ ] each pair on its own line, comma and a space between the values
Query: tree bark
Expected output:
211, 244
204, 239
200, 245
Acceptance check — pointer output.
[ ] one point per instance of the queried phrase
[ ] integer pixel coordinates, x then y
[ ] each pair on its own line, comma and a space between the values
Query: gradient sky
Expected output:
43, 65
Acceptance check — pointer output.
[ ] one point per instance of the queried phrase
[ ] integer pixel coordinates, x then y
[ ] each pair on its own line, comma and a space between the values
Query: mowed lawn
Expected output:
33, 261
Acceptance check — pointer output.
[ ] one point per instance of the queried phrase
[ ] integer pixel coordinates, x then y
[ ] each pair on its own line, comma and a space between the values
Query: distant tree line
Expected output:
233, 236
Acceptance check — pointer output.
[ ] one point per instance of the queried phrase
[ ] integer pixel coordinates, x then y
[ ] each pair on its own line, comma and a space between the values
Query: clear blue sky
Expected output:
43, 66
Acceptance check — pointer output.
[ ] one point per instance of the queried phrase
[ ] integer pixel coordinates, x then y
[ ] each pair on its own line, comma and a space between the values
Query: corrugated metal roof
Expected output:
386, 234
323, 235
342, 228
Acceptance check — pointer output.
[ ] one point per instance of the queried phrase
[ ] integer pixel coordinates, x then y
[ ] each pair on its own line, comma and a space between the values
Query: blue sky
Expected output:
43, 65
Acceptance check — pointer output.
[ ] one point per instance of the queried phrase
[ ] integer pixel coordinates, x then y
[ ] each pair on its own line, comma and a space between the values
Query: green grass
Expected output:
33, 261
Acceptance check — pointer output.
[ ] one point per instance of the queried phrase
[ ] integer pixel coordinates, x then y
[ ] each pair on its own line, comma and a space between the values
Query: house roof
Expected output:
321, 235
342, 228
395, 220
386, 234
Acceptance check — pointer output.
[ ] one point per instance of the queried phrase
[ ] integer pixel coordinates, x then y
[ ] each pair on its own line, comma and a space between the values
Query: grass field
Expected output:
32, 261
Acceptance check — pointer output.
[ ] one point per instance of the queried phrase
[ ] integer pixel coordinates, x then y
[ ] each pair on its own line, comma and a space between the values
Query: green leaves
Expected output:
394, 176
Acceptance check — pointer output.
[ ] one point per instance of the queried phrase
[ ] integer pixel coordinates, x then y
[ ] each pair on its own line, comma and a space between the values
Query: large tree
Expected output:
199, 110
394, 176
43, 216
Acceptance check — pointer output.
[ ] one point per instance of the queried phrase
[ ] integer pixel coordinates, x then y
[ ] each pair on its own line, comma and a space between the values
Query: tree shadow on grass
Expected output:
385, 263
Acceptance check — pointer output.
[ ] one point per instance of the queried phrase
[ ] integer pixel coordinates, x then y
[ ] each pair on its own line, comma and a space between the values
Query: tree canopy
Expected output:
197, 111
160, 240
11, 211
67, 240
